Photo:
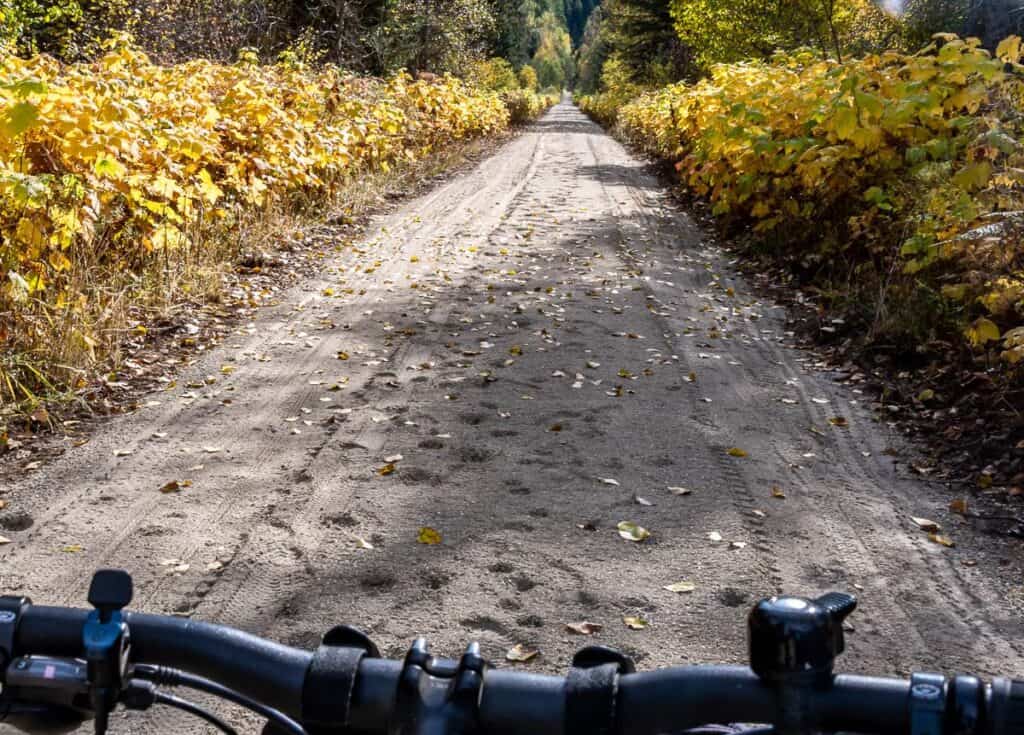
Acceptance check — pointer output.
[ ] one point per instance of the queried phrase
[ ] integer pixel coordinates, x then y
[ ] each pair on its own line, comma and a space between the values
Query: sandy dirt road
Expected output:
528, 331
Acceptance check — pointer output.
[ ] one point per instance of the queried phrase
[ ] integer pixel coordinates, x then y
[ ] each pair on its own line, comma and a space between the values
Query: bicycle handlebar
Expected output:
667, 700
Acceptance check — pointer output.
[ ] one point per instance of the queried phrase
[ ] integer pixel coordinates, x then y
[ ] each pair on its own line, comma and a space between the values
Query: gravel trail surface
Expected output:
519, 360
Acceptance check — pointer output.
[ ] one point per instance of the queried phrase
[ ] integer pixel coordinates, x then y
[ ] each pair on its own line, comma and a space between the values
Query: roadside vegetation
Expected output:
874, 156
137, 171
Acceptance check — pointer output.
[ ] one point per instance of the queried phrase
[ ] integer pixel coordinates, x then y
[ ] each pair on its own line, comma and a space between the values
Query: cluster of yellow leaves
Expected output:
123, 160
525, 105
925, 148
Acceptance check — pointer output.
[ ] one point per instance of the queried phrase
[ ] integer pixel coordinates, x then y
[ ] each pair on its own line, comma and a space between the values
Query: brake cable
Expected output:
139, 694
167, 676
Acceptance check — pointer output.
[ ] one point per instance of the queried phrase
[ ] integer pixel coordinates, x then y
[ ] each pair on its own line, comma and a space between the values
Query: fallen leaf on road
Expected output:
777, 492
925, 524
634, 622
736, 452
642, 501
429, 536
584, 628
213, 450
632, 532
609, 481
122, 452
519, 652
72, 548
958, 505
555, 427
838, 421
939, 539
175, 486
738, 544
393, 458
362, 543
214, 566
5, 540
386, 469
681, 587
676, 490
342, 355
714, 537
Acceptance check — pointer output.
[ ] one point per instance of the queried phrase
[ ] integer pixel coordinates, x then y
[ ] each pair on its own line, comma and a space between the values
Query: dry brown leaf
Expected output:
584, 628
940, 539
175, 486
925, 524
520, 653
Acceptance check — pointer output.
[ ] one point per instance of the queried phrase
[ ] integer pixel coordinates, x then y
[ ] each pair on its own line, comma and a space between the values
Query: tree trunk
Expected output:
993, 20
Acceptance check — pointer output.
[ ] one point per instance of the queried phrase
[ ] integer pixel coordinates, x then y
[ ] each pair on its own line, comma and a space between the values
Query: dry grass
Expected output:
44, 360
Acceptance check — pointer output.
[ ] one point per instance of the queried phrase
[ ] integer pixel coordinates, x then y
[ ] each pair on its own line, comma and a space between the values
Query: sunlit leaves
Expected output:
919, 154
19, 117
166, 162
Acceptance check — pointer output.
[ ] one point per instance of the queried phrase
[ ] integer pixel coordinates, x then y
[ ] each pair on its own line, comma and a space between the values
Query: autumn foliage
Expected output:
908, 168
115, 175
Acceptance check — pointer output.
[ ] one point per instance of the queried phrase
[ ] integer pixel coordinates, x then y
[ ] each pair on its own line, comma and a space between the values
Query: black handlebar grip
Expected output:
1006, 707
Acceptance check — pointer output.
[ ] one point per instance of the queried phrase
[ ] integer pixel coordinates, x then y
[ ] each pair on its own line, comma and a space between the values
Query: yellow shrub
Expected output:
123, 165
923, 150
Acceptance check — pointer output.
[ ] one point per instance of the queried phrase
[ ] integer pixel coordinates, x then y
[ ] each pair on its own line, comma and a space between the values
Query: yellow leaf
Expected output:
633, 532
1009, 49
634, 622
109, 167
58, 261
973, 176
210, 191
736, 452
844, 122
429, 536
982, 331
